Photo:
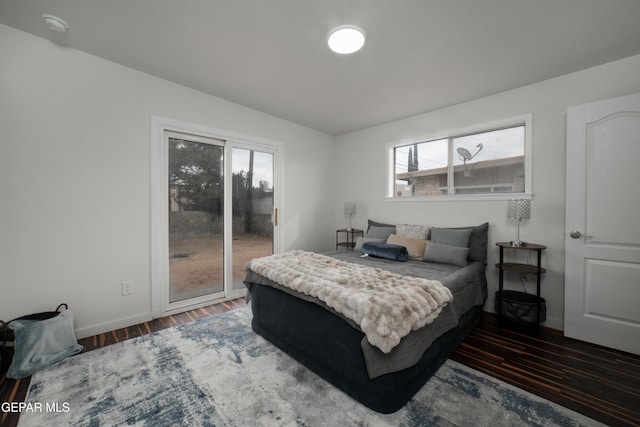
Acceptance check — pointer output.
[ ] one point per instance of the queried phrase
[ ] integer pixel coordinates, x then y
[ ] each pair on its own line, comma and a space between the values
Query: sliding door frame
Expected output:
159, 269
228, 196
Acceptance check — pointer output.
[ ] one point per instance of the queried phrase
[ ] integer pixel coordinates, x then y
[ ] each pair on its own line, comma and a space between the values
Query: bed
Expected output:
335, 347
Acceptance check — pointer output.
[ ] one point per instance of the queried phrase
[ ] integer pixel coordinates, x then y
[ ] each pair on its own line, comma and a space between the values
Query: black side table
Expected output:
520, 268
351, 234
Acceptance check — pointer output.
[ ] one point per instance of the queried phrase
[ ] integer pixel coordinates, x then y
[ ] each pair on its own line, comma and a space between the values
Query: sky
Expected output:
262, 165
498, 144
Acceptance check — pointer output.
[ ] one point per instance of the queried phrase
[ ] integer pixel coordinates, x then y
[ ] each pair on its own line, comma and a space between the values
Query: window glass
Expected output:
489, 162
196, 226
421, 169
485, 162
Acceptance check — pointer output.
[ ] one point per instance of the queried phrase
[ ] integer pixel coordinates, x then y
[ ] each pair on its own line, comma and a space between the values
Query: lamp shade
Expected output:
349, 209
519, 209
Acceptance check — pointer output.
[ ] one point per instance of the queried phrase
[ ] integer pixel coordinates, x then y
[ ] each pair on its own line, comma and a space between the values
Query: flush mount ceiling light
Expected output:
346, 39
54, 23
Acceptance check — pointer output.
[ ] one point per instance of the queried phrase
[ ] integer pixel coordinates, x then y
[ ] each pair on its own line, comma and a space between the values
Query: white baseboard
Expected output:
113, 325
554, 324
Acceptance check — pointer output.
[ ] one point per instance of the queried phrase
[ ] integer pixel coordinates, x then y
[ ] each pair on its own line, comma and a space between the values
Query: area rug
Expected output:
217, 372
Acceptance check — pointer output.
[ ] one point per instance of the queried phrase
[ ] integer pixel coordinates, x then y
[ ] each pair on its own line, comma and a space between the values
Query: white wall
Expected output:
360, 168
75, 166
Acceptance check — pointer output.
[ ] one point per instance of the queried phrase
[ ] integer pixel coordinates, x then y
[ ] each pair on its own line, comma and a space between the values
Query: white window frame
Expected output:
526, 120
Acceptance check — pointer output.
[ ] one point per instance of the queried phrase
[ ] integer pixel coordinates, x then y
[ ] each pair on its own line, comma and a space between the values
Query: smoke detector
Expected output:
55, 24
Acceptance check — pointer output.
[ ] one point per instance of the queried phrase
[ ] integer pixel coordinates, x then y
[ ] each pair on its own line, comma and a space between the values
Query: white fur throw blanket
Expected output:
386, 306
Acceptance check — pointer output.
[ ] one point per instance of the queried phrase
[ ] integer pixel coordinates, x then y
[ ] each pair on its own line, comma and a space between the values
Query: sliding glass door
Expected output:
220, 204
196, 216
253, 208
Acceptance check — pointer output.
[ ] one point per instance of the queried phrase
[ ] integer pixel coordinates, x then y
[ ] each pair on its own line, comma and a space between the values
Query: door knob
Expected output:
577, 235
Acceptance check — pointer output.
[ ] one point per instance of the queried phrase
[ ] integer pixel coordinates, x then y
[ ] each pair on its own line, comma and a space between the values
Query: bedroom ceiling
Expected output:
272, 55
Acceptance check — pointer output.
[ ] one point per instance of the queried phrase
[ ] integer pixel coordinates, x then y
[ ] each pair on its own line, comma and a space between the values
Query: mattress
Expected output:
337, 350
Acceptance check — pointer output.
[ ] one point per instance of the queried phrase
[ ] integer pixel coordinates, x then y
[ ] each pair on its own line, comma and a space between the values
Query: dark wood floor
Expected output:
601, 383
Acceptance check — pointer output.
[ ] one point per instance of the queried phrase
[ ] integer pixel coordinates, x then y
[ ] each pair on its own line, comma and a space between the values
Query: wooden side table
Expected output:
352, 234
520, 268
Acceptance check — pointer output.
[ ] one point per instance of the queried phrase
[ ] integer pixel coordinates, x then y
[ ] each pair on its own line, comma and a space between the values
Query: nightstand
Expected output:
351, 236
536, 270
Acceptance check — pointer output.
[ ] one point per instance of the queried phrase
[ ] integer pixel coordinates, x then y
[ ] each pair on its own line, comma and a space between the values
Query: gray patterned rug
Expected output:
218, 372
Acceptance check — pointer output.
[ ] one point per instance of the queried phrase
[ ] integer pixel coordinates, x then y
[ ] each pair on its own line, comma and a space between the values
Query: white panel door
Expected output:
602, 245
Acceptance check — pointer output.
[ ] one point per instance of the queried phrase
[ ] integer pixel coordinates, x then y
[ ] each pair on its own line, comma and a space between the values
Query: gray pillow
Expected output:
447, 236
40, 343
371, 223
361, 240
376, 232
478, 241
446, 254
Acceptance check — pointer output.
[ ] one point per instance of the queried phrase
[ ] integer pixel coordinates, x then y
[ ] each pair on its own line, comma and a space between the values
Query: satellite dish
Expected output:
466, 156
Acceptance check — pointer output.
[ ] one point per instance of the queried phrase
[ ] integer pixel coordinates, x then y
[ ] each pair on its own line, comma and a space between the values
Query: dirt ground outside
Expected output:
196, 264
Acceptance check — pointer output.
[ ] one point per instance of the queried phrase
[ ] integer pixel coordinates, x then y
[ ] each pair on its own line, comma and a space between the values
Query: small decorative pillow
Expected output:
40, 343
412, 231
415, 247
385, 250
451, 237
445, 254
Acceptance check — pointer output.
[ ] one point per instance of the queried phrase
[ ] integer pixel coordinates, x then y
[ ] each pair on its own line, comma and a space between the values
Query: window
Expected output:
488, 160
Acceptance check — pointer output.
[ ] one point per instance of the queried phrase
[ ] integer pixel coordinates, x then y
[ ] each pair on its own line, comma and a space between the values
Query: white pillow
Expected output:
413, 231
